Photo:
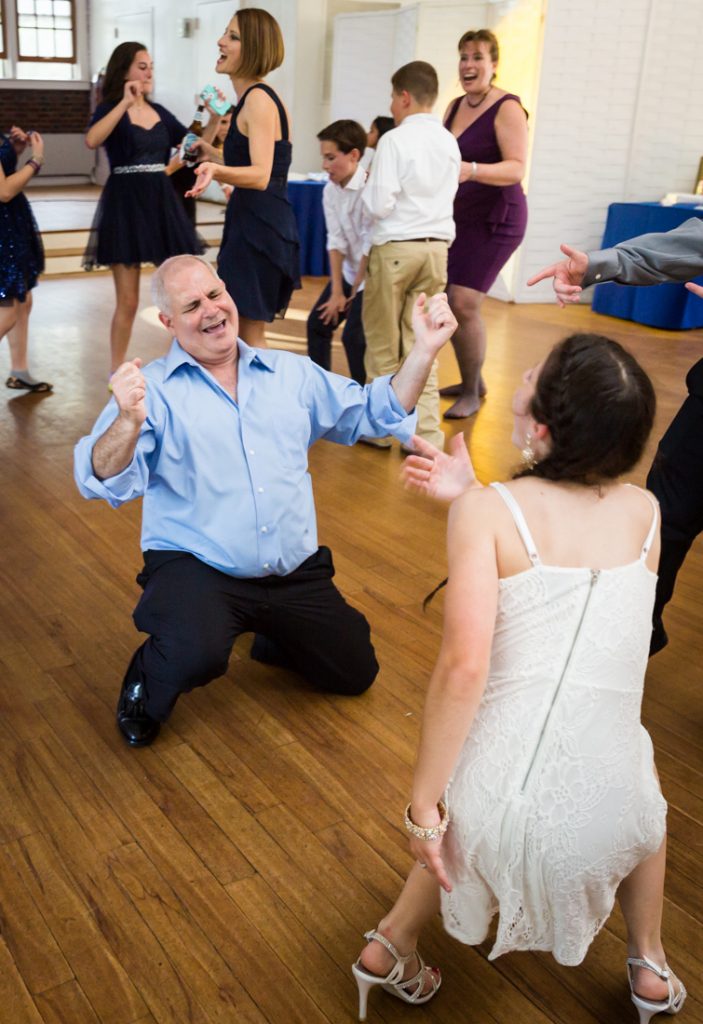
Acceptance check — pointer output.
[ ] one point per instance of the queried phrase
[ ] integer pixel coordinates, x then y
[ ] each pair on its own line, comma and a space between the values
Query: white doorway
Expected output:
138, 27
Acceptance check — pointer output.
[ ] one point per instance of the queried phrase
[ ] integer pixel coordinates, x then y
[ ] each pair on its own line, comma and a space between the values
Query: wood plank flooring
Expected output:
226, 873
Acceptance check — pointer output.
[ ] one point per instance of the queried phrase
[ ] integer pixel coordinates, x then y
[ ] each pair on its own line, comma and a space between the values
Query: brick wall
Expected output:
49, 111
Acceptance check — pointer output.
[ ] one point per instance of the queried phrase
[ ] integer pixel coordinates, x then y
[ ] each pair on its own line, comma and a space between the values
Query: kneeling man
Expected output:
215, 437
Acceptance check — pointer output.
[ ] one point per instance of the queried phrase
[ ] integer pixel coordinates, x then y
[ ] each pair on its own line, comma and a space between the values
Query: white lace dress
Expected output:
554, 799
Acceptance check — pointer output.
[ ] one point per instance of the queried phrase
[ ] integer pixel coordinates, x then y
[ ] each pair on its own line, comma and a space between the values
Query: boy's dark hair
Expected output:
419, 79
120, 62
346, 135
382, 125
599, 406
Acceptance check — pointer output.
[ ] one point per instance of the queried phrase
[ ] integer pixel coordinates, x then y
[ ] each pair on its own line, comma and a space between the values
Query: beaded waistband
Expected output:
139, 169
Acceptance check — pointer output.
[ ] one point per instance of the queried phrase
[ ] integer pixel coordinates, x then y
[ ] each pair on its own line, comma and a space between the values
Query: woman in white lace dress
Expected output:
531, 733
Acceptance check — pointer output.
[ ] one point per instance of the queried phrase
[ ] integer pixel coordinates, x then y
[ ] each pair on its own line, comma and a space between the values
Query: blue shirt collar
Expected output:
177, 357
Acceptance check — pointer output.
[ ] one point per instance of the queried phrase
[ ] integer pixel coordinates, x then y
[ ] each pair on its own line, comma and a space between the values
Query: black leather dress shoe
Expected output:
136, 726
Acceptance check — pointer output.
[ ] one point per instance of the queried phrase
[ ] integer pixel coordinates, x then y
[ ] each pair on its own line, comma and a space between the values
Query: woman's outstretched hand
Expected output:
438, 474
203, 177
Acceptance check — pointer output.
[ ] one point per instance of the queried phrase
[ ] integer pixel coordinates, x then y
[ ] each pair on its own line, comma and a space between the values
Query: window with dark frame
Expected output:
46, 31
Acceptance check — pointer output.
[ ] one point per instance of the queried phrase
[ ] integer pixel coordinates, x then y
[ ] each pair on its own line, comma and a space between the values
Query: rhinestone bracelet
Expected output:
428, 834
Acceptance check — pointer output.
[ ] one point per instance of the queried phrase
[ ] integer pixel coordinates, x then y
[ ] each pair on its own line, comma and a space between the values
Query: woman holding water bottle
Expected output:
259, 257
139, 219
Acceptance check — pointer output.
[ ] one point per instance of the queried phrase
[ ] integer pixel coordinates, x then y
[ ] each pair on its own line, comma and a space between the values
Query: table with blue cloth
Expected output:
669, 306
306, 199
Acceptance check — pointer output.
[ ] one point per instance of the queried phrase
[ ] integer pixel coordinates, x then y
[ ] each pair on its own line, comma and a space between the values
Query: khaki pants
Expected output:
397, 273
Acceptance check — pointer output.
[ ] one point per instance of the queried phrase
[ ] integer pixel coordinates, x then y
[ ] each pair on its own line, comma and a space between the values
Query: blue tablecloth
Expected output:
306, 200
670, 306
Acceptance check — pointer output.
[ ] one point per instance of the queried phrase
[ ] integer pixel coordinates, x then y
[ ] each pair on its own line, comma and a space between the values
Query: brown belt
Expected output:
396, 240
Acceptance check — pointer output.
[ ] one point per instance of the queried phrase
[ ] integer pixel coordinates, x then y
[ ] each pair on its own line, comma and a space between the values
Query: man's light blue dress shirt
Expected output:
228, 481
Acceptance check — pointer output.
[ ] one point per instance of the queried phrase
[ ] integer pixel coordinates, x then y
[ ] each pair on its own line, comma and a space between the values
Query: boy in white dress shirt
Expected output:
410, 194
349, 225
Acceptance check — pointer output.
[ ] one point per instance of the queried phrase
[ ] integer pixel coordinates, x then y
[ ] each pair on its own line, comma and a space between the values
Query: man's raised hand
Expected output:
433, 321
129, 391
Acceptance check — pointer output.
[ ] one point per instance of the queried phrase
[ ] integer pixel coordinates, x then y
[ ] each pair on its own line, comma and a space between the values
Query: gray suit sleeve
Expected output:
651, 259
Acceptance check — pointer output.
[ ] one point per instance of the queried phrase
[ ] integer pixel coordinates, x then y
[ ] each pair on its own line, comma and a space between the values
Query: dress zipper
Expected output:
595, 573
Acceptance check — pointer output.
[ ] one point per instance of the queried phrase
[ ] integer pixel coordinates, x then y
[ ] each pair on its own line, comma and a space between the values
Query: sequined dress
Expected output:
139, 218
554, 799
259, 257
21, 249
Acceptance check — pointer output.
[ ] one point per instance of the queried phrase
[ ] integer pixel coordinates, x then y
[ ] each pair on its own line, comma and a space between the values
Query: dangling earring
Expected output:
528, 453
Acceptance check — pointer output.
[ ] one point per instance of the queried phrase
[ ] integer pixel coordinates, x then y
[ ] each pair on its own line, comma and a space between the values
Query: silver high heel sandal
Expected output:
648, 1007
410, 990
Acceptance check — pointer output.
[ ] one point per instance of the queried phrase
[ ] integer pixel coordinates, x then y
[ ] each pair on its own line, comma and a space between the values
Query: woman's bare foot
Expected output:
455, 390
465, 406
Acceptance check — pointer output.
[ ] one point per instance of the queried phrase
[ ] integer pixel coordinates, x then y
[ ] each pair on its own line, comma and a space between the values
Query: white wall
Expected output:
619, 118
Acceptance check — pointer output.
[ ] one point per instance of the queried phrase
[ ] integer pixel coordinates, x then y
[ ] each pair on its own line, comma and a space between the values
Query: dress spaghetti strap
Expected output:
520, 522
279, 106
655, 520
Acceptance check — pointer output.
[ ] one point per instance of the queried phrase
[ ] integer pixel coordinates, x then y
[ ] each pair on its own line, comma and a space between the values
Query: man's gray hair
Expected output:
159, 290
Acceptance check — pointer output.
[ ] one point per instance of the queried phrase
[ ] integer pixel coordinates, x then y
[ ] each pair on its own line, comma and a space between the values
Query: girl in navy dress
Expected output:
259, 257
21, 252
139, 218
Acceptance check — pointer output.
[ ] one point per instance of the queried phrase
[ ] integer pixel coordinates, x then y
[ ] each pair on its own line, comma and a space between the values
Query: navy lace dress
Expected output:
139, 218
21, 250
259, 257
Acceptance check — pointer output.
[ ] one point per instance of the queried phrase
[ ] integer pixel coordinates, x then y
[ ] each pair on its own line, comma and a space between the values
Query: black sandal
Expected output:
18, 384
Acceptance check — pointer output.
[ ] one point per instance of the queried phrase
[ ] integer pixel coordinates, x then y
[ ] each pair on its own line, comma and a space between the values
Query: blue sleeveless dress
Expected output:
21, 249
259, 257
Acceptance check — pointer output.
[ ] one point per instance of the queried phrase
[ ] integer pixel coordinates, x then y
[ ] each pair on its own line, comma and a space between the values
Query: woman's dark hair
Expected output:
482, 35
598, 404
120, 62
382, 125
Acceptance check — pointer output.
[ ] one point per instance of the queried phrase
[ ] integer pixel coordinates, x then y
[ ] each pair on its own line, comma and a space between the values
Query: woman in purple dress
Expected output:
490, 209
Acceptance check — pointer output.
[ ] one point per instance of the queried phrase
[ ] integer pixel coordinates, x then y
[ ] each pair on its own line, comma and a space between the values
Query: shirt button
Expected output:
264, 529
266, 565
252, 452
260, 490
598, 277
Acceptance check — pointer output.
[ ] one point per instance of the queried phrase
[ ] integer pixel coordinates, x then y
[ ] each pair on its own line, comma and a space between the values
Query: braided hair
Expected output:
598, 404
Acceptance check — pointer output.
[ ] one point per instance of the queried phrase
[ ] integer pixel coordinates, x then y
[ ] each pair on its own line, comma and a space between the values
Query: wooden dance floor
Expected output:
226, 873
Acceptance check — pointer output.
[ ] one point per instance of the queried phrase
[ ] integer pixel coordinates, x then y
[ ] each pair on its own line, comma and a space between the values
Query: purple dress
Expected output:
490, 219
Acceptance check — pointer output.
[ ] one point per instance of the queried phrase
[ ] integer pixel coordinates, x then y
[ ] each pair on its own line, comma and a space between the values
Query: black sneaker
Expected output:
134, 723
